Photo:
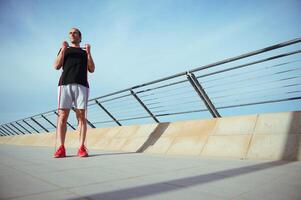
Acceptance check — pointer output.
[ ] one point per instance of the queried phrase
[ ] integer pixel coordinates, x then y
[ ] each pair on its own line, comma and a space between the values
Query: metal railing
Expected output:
269, 77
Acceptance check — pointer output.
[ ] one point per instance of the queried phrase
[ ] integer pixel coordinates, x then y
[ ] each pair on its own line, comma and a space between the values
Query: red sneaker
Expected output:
82, 151
60, 152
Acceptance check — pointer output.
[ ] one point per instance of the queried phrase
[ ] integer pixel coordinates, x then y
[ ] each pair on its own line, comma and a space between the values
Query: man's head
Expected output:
75, 36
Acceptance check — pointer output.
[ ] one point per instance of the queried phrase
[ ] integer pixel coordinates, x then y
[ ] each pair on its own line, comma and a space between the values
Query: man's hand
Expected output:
91, 66
65, 45
60, 57
88, 48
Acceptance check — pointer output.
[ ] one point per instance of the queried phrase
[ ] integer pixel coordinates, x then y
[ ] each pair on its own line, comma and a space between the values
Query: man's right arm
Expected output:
60, 58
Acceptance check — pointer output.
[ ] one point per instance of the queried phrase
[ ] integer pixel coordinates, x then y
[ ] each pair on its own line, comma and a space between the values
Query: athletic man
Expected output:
73, 88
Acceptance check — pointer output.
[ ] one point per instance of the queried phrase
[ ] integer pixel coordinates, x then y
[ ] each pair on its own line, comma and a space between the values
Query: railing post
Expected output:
90, 124
6, 133
10, 129
106, 111
48, 121
202, 94
17, 128
39, 124
144, 106
4, 130
23, 127
31, 126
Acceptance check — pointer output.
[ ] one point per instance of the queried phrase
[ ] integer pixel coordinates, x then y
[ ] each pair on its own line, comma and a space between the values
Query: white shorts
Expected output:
73, 95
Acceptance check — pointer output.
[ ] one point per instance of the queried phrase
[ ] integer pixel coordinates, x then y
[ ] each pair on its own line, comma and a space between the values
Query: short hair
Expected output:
79, 33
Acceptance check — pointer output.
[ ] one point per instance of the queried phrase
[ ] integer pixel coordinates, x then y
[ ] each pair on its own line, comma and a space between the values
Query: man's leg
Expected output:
82, 124
62, 124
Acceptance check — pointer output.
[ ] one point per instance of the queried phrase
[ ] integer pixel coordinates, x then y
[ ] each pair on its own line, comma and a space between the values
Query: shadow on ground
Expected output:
288, 156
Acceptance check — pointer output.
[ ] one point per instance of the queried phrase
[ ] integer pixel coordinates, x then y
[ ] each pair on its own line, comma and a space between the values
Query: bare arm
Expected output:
91, 66
60, 58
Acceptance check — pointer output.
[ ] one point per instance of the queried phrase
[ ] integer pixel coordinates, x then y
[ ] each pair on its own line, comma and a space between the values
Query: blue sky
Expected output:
133, 41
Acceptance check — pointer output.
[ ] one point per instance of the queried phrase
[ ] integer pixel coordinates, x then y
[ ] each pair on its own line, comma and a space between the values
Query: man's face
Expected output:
74, 36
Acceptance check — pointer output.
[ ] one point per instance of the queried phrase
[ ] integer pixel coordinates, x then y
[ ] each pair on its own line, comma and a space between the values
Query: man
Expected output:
73, 88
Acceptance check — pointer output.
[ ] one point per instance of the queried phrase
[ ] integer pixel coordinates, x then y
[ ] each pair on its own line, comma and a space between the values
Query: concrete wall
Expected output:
270, 136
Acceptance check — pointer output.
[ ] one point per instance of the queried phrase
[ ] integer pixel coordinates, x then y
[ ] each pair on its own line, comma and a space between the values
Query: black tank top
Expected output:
75, 67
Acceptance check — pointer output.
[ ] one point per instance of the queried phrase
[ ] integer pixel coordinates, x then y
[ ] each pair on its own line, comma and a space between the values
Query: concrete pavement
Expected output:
28, 172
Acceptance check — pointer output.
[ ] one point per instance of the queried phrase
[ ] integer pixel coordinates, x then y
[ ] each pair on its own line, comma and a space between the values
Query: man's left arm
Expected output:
91, 66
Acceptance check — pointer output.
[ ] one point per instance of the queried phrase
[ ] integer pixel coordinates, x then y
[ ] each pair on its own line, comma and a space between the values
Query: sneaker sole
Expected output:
59, 156
83, 156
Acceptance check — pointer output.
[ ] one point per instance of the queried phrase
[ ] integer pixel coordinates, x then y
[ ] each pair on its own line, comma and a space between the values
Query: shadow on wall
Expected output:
292, 144
154, 136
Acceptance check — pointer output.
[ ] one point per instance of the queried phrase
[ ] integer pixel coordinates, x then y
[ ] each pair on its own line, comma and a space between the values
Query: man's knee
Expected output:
81, 116
63, 117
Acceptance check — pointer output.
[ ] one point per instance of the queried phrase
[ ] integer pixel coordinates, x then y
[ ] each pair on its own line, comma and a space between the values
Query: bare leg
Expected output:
62, 125
82, 125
